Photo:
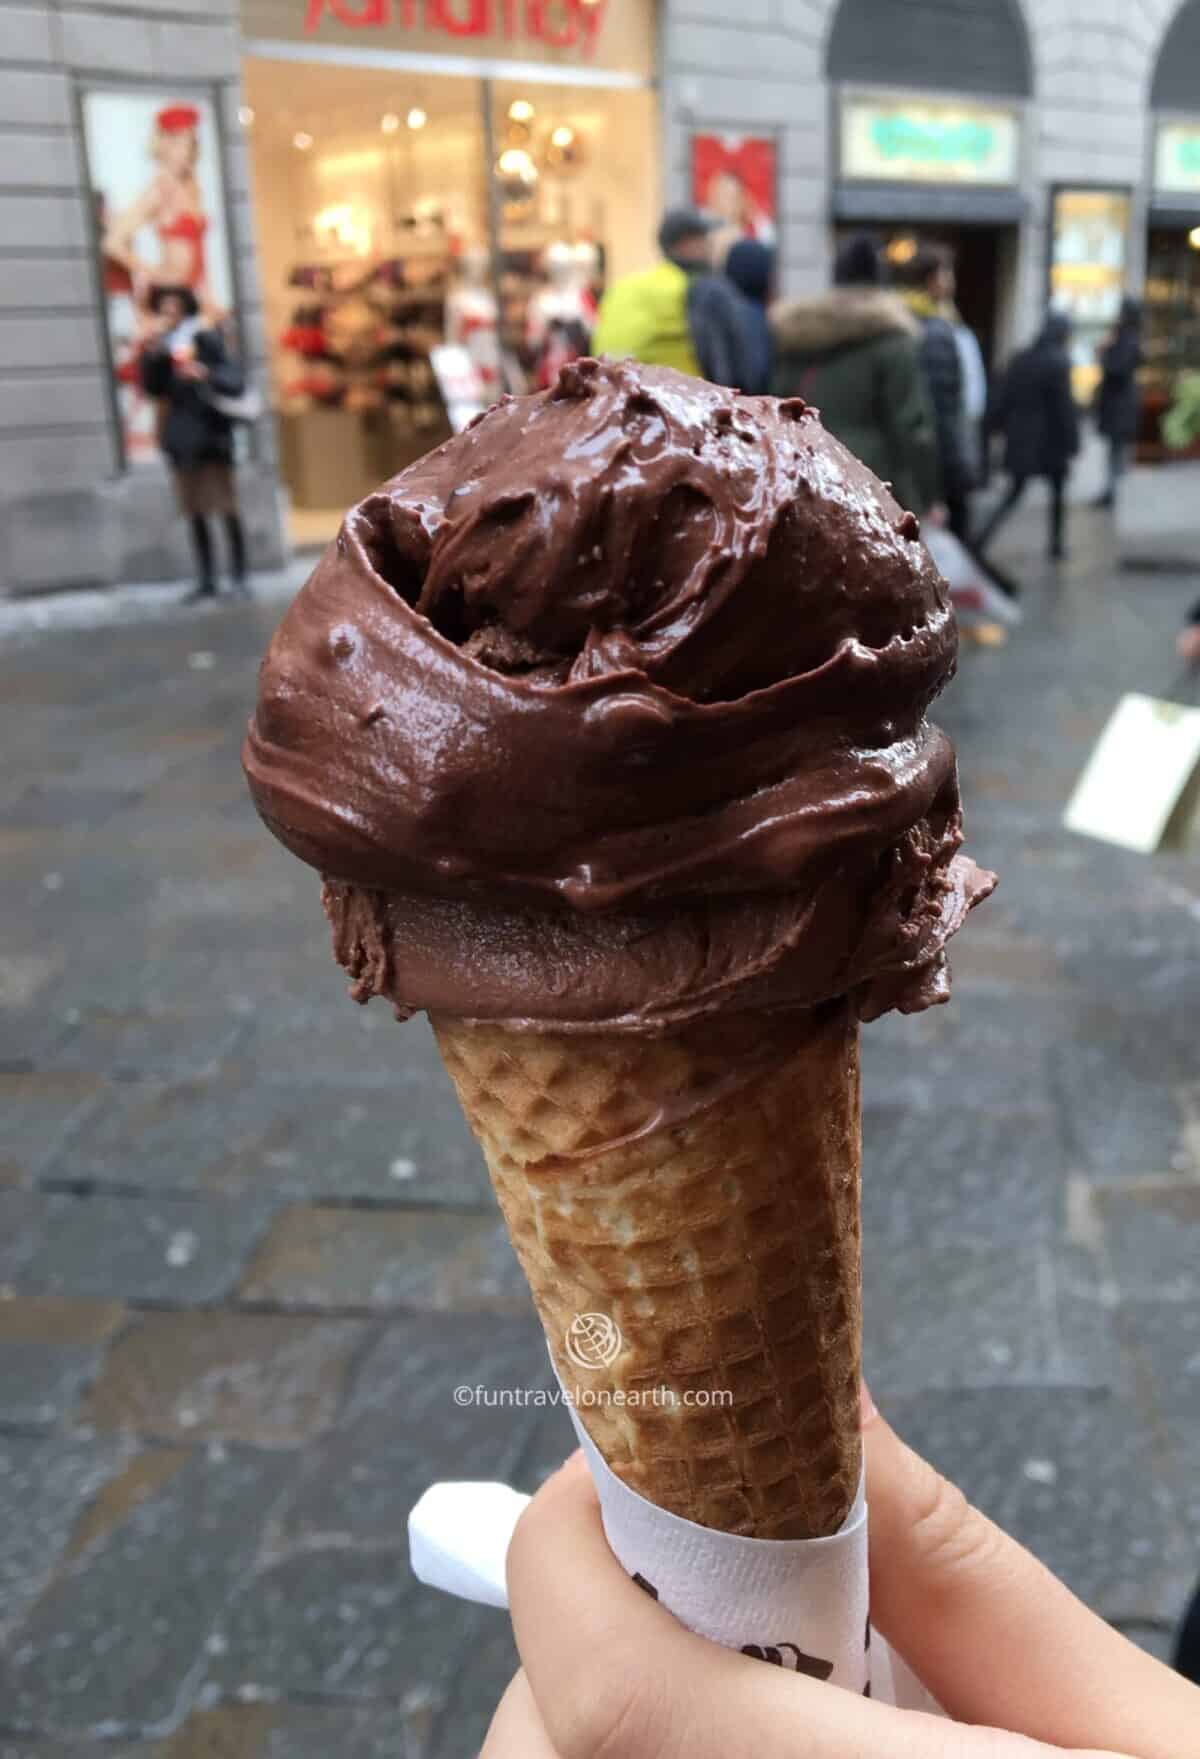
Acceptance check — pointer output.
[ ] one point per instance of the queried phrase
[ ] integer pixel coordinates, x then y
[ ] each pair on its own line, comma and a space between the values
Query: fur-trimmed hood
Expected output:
844, 314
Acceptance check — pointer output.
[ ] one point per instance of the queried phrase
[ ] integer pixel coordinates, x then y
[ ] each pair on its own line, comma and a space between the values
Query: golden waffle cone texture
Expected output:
706, 1199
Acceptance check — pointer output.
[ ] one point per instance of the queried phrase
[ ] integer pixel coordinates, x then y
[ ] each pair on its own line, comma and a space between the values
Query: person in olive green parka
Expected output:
854, 354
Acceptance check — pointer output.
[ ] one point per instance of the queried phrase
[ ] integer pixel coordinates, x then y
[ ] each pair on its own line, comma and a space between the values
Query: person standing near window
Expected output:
184, 365
1117, 398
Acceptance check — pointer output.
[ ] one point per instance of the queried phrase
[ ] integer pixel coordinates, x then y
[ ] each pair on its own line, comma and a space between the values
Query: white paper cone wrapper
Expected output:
799, 1604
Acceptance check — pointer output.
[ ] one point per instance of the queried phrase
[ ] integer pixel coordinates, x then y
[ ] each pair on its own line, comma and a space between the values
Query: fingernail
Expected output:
866, 1405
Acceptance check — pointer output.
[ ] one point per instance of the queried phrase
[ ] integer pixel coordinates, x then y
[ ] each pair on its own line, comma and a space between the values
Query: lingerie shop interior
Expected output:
427, 242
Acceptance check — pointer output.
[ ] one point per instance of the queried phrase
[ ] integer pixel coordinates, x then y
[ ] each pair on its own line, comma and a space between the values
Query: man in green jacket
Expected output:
854, 354
680, 313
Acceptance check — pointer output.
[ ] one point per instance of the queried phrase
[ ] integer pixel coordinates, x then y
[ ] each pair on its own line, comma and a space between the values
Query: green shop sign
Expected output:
912, 141
1177, 158
933, 143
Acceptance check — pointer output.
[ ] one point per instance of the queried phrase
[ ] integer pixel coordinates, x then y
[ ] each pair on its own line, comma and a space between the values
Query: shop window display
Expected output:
1171, 338
375, 238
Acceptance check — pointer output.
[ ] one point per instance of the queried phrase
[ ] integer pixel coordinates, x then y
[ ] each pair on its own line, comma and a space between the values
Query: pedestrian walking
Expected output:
1117, 397
1035, 412
853, 352
929, 292
680, 313
750, 265
975, 391
187, 367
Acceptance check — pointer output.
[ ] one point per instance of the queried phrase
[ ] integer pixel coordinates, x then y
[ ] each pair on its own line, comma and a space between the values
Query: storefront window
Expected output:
1088, 261
427, 241
1171, 335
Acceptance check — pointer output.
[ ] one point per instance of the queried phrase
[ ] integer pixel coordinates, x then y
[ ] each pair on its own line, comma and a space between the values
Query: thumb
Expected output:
994, 1636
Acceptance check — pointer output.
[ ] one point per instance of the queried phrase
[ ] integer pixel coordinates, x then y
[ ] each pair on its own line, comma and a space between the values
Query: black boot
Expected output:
206, 573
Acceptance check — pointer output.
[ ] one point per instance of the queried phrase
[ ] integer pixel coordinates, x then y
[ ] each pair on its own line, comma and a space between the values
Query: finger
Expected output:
995, 1637
517, 1730
615, 1677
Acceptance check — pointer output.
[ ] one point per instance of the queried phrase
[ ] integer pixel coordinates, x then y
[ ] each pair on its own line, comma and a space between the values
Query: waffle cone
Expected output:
700, 1191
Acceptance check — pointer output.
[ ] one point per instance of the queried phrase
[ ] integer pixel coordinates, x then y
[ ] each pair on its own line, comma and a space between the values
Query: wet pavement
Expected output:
247, 1248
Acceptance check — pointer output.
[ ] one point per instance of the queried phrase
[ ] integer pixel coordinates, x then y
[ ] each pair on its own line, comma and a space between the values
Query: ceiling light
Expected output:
520, 110
302, 140
563, 137
516, 164
416, 117
246, 116
389, 123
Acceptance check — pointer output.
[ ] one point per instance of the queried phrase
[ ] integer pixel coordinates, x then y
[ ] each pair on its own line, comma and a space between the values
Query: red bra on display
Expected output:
186, 226
191, 229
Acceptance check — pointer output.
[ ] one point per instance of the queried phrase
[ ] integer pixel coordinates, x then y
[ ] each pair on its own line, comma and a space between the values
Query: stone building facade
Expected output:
1083, 82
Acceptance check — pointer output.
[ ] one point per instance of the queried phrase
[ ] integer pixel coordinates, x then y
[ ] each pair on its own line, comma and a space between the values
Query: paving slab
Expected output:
958, 1175
176, 1251
402, 1429
260, 1378
94, 1654
1152, 1231
380, 1259
240, 1133
40, 1109
1065, 1471
341, 1623
44, 1487
49, 1350
957, 1316
143, 1042
1164, 1340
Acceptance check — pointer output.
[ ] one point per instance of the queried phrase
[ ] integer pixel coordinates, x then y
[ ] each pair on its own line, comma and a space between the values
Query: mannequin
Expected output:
472, 319
558, 324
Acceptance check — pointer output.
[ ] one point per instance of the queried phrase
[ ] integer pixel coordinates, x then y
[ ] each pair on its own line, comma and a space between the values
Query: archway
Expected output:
1176, 83
976, 46
930, 116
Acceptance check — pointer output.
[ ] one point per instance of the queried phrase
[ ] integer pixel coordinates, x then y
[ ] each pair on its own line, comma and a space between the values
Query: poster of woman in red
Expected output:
170, 209
733, 177
155, 175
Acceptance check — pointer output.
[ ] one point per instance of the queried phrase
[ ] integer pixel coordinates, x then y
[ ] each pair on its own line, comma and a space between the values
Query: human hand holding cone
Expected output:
606, 724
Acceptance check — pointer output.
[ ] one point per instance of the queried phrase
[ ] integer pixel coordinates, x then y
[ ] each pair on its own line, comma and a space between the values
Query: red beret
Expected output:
176, 118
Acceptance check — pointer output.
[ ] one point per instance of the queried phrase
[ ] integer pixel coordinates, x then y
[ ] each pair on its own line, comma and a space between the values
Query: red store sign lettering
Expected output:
559, 24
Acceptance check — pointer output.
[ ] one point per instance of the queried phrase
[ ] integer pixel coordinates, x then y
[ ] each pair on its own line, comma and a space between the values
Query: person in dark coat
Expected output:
929, 293
184, 363
1117, 398
679, 313
853, 353
750, 265
1035, 412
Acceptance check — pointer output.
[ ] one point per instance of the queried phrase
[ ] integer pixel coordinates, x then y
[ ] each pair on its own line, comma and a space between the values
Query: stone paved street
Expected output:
247, 1247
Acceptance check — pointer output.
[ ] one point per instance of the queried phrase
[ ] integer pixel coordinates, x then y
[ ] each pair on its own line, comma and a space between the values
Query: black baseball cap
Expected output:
681, 223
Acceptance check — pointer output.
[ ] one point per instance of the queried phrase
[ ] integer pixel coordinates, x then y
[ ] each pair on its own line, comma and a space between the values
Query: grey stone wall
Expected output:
67, 514
755, 66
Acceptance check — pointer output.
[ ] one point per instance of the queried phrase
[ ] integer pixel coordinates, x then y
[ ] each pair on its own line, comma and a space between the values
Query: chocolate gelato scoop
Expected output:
611, 714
